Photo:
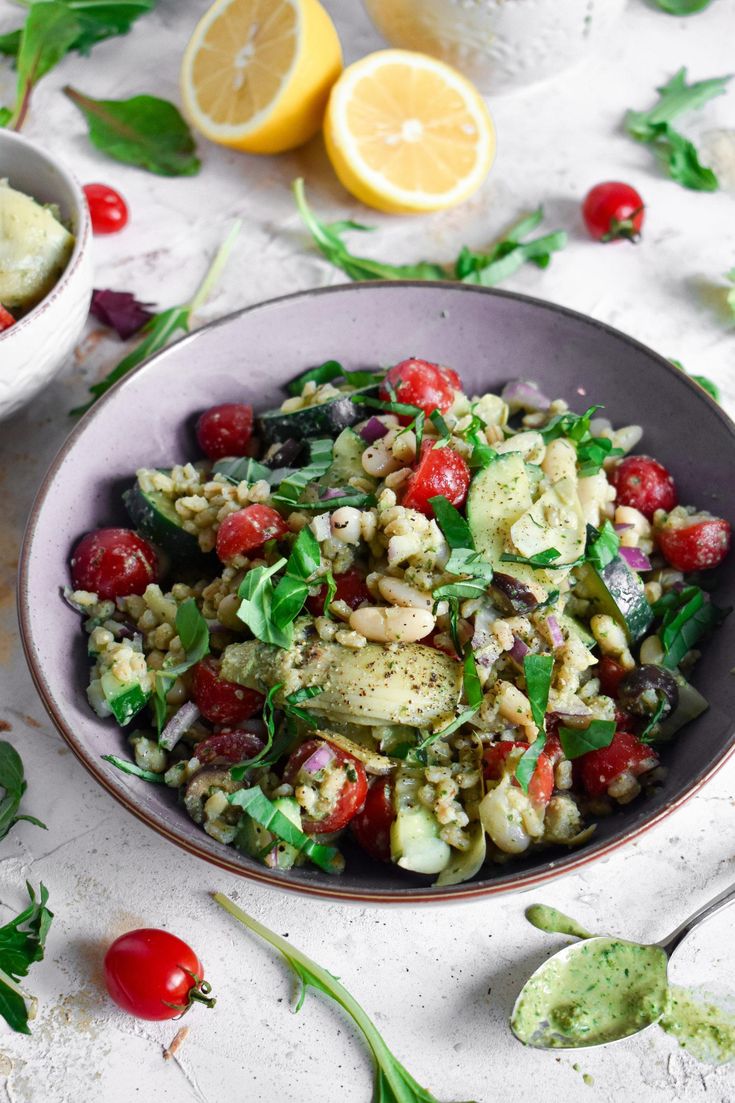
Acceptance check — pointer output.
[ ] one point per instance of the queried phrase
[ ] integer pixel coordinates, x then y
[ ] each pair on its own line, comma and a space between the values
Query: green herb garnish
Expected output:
14, 784
255, 803
602, 546
473, 695
706, 384
544, 560
292, 702
507, 256
256, 608
329, 371
263, 757
454, 528
243, 470
49, 33
132, 768
162, 327
97, 19
22, 943
291, 489
538, 670
293, 589
400, 409
648, 735
464, 561
193, 631
682, 7
678, 155
687, 616
591, 451
578, 741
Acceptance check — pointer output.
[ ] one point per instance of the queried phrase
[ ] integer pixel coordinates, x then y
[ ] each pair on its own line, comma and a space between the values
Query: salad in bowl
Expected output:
455, 627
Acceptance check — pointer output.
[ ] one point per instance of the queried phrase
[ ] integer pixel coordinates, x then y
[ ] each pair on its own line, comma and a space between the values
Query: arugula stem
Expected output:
216, 268
30, 1001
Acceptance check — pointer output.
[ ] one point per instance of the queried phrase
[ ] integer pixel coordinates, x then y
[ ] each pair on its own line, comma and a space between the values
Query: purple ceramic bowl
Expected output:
487, 336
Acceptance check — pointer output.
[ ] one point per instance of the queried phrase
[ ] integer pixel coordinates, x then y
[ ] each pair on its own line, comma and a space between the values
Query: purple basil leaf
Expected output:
121, 311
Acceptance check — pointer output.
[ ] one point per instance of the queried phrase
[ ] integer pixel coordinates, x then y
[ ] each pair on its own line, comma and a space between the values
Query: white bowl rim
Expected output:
82, 236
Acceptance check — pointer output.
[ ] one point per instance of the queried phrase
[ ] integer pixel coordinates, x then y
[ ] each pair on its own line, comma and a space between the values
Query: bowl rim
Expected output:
518, 882
82, 234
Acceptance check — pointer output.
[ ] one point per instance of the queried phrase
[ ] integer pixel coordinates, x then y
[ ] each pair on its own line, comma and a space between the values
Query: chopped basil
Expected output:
538, 670
263, 757
578, 741
602, 545
357, 498
545, 559
444, 432
256, 591
400, 409
591, 451
320, 458
293, 589
648, 735
331, 590
455, 529
466, 561
243, 470
332, 369
132, 768
193, 631
255, 803
473, 694
687, 616
468, 588
292, 702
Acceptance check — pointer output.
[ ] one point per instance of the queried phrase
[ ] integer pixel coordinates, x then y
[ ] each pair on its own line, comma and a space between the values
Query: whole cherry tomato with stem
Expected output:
152, 974
113, 563
107, 208
613, 211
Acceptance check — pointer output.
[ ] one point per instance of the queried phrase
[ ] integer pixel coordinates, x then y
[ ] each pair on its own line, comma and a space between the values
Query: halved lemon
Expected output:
407, 133
256, 74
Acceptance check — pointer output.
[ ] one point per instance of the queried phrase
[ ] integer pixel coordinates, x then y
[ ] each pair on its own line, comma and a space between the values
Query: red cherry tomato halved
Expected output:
6, 318
372, 825
113, 563
229, 745
107, 208
597, 770
154, 975
351, 588
541, 785
247, 530
644, 484
220, 701
420, 383
697, 547
352, 795
225, 430
613, 212
439, 471
611, 674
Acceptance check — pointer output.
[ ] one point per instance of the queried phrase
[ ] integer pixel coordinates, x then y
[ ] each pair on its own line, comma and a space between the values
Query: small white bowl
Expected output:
35, 347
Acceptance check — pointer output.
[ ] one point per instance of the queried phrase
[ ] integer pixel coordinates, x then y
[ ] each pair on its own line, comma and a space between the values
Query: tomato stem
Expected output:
200, 992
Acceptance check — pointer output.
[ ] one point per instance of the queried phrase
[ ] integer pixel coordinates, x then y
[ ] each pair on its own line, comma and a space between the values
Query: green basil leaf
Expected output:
255, 803
455, 529
292, 590
578, 741
132, 768
602, 546
442, 428
12, 781
648, 735
256, 591
323, 373
466, 561
471, 681
243, 470
22, 943
263, 757
331, 589
320, 458
192, 630
538, 670
290, 705
357, 498
545, 559
144, 131
687, 617
470, 588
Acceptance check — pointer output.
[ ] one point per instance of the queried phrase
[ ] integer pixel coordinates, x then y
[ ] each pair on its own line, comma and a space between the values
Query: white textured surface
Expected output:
440, 982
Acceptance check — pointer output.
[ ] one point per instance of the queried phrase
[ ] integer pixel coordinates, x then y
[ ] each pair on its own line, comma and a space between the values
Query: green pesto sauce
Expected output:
699, 1025
603, 989
554, 922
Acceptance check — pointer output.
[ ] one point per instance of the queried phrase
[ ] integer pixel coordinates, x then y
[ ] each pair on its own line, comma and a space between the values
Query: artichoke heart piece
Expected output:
398, 684
555, 520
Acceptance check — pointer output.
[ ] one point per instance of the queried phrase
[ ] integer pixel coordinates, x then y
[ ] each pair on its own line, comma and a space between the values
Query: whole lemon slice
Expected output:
407, 133
257, 73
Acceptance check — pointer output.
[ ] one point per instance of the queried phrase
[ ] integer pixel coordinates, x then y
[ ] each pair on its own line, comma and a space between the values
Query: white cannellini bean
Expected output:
345, 524
530, 443
392, 625
379, 461
503, 819
400, 593
651, 650
594, 494
627, 437
560, 461
514, 706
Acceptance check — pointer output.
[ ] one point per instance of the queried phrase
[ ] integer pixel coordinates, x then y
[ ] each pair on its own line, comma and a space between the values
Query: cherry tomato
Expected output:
644, 484
351, 588
154, 975
352, 795
220, 701
420, 383
542, 780
597, 770
439, 471
611, 673
613, 212
113, 563
247, 530
107, 208
699, 546
552, 746
372, 825
229, 745
623, 720
225, 430
6, 318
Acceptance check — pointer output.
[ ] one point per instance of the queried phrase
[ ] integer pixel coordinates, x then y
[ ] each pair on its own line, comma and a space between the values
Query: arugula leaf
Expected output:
14, 784
687, 616
454, 528
683, 7
50, 31
293, 588
675, 151
329, 370
485, 269
538, 670
162, 327
22, 943
256, 609
193, 631
258, 807
132, 768
579, 741
144, 131
602, 545
707, 384
466, 561
393, 1083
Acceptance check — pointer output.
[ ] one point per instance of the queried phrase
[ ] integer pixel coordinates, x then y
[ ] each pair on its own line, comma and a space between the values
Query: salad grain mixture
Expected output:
459, 628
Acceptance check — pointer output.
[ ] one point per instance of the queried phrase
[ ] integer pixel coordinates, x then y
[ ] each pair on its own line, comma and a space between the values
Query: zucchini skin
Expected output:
325, 419
618, 591
151, 521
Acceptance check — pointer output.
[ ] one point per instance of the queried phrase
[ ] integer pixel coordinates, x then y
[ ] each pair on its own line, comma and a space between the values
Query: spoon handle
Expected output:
705, 912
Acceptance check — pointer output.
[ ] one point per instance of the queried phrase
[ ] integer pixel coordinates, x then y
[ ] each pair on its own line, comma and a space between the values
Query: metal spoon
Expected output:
545, 1038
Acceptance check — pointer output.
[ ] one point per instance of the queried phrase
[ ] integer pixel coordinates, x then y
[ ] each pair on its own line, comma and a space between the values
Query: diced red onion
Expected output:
580, 718
319, 760
622, 528
524, 394
635, 559
555, 632
373, 430
179, 723
519, 650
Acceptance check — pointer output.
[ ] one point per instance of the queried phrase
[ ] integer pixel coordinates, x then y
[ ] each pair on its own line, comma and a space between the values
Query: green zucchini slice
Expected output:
154, 515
